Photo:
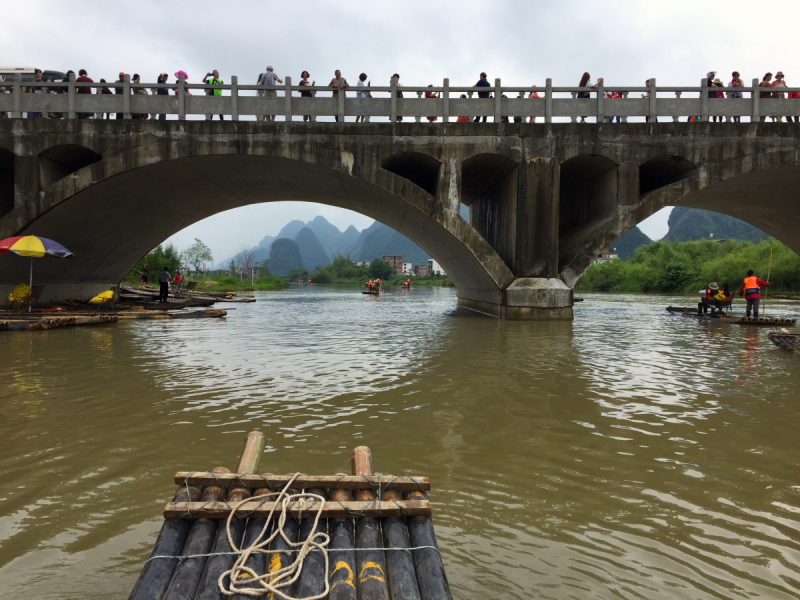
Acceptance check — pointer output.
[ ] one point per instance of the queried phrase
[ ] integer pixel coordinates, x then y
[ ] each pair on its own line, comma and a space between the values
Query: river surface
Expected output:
628, 454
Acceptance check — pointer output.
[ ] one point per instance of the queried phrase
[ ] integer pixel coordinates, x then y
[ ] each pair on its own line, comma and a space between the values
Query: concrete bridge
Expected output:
542, 197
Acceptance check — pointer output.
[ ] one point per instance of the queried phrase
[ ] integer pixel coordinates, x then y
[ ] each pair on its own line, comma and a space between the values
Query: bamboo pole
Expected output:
256, 561
766, 290
249, 463
431, 576
201, 536
371, 564
312, 577
341, 553
400, 565
156, 574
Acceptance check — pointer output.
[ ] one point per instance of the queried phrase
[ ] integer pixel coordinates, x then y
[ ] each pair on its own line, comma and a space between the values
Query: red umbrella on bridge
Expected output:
33, 246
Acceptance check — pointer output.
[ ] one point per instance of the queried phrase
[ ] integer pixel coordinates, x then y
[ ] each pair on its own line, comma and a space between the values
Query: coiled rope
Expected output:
257, 585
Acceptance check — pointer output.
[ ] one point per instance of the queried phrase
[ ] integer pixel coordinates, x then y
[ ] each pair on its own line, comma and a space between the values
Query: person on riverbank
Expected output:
213, 79
163, 281
482, 82
146, 275
752, 292
268, 79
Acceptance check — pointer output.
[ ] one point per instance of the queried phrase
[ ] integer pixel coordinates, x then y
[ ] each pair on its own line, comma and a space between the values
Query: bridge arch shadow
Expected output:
587, 199
57, 162
662, 171
419, 168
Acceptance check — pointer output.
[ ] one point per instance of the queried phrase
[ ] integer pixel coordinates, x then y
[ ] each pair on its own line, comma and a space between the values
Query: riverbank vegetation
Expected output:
265, 283
343, 271
685, 267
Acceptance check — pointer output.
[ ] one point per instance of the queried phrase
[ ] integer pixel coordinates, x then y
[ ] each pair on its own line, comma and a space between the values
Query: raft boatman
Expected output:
407, 284
752, 292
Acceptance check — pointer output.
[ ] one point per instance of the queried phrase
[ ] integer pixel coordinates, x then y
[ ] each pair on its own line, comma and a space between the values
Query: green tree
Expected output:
675, 277
158, 258
380, 268
197, 254
296, 274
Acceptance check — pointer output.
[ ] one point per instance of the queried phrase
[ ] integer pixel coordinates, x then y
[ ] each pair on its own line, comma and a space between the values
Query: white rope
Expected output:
273, 582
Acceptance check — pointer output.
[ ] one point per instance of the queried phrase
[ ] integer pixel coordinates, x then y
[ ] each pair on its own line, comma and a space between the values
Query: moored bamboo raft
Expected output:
785, 340
362, 536
760, 321
39, 323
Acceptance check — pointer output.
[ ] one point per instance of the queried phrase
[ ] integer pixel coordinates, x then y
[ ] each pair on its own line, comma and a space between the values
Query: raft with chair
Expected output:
784, 340
760, 321
373, 292
339, 537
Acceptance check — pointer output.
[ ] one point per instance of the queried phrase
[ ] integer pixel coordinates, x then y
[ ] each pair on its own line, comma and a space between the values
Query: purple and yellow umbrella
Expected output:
35, 247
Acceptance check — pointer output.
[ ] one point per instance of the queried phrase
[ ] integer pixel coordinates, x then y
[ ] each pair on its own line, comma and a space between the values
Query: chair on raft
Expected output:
103, 299
19, 298
721, 306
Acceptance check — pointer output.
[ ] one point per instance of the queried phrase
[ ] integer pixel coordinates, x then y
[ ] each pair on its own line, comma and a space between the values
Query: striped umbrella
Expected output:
35, 247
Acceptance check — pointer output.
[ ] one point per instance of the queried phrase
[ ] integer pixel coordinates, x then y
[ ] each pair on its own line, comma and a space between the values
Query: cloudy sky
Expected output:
521, 41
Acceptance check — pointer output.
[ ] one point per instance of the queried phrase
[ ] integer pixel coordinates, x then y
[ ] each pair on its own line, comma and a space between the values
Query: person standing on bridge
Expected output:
268, 79
163, 281
431, 95
765, 83
533, 96
736, 82
752, 292
463, 118
83, 78
338, 83
586, 82
304, 94
779, 82
162, 78
363, 94
482, 82
213, 79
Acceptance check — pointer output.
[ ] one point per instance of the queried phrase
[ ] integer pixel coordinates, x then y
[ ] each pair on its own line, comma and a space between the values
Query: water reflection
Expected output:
628, 454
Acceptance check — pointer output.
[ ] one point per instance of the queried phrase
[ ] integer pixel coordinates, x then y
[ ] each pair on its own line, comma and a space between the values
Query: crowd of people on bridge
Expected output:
268, 80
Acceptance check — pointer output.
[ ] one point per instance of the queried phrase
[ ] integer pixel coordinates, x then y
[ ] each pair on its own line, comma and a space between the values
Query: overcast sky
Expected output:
521, 41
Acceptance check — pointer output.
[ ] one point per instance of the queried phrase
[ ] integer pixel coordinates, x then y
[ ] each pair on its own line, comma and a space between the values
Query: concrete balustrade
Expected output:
241, 100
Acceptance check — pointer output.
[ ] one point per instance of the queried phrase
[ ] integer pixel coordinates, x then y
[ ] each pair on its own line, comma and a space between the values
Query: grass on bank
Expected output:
685, 267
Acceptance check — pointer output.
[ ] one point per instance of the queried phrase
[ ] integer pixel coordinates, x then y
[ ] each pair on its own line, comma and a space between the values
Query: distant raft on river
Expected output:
758, 321
785, 340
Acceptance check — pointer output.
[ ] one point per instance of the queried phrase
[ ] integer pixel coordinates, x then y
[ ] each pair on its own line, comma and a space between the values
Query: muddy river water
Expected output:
628, 454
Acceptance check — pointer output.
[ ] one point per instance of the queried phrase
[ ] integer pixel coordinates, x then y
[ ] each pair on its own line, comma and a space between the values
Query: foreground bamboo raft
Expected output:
763, 321
381, 542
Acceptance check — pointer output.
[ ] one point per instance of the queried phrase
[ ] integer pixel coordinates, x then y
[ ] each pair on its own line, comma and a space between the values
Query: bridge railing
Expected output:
136, 100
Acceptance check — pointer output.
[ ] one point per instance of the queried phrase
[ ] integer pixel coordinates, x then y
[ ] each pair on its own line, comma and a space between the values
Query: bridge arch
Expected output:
113, 212
419, 168
758, 191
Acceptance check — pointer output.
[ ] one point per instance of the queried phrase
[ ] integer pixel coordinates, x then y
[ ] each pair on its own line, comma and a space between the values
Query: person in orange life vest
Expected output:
752, 292
707, 295
378, 282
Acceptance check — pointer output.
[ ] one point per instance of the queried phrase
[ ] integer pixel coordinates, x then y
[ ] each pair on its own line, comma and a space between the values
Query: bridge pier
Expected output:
528, 299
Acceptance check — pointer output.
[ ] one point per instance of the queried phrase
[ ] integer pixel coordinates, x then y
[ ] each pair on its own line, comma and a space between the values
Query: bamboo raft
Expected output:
761, 321
36, 322
785, 340
364, 536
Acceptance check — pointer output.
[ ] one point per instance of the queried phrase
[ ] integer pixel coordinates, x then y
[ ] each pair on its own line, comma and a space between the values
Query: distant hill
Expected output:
284, 257
327, 234
347, 240
688, 224
266, 242
290, 230
311, 250
379, 240
628, 242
